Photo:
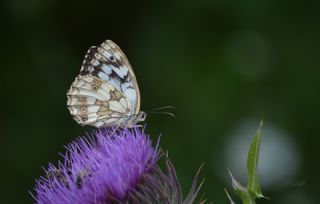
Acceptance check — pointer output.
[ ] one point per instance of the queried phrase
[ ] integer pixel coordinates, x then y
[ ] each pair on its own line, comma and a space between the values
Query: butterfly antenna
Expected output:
163, 108
164, 113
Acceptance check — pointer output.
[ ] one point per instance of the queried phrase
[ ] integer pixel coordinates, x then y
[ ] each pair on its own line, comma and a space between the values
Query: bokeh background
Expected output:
220, 63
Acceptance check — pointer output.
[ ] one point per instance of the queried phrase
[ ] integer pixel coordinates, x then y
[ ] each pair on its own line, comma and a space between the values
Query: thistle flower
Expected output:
111, 167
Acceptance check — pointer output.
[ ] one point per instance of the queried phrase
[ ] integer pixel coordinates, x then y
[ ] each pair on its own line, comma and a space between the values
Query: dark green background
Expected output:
218, 62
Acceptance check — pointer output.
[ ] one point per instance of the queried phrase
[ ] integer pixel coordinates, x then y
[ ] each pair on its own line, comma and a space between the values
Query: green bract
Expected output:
253, 190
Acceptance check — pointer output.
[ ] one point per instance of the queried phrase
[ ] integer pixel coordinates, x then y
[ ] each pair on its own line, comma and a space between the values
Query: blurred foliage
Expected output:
218, 62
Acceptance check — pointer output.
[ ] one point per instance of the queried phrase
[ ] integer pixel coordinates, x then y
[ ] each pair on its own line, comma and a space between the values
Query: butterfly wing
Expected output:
93, 101
106, 92
110, 64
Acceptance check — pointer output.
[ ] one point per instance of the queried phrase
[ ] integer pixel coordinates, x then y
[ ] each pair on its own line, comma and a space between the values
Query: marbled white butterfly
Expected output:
105, 93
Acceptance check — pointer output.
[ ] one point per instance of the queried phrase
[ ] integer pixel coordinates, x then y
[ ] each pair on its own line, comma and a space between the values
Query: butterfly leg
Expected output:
115, 129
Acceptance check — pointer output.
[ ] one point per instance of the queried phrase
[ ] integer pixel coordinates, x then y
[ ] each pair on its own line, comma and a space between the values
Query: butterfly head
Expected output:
141, 116
133, 119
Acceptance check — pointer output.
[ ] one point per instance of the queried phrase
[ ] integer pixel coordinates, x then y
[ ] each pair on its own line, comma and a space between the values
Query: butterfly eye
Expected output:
143, 116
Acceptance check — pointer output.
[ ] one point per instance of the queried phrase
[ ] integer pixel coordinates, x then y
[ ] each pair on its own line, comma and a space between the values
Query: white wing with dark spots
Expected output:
106, 92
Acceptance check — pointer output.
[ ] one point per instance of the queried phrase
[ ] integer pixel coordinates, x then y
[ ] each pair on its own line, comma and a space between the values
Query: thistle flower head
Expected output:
98, 169
112, 167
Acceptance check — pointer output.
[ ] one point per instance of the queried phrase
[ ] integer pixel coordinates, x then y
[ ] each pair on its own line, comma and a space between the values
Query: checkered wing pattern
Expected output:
105, 93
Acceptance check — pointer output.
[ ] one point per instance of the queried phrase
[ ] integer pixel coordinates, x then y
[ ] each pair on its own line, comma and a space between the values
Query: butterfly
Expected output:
106, 92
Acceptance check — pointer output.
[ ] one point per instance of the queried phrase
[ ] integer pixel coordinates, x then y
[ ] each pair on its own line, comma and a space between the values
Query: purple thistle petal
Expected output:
98, 169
